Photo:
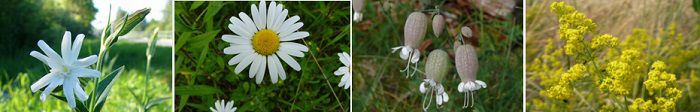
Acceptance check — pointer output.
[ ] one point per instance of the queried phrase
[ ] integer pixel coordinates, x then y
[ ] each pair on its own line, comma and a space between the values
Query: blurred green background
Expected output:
25, 22
379, 86
203, 75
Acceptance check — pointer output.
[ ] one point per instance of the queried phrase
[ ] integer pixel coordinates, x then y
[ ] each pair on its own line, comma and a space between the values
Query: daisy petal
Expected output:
289, 60
261, 72
292, 52
295, 36
280, 69
344, 58
341, 71
235, 39
280, 19
272, 68
239, 30
255, 66
263, 14
256, 18
245, 62
236, 49
271, 14
287, 23
294, 46
43, 82
249, 24
238, 58
286, 30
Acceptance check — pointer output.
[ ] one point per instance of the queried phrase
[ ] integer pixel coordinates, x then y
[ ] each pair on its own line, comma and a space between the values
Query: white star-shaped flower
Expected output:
65, 69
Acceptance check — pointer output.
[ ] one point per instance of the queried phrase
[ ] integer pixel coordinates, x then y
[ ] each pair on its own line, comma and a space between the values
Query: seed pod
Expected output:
438, 24
466, 62
414, 29
466, 32
437, 65
357, 5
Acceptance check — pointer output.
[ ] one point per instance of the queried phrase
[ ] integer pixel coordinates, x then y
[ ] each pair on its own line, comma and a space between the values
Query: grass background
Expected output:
15, 95
203, 75
379, 86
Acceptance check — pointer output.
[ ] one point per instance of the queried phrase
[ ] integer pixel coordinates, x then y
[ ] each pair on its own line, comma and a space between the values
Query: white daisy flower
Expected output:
264, 39
346, 81
65, 69
222, 106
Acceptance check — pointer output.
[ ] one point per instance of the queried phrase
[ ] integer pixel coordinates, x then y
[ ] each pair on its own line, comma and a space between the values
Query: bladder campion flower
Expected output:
438, 24
65, 69
414, 31
223, 106
346, 81
357, 10
265, 38
467, 66
436, 69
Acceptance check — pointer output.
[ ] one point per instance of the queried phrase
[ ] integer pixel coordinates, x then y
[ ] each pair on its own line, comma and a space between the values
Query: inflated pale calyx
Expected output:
414, 29
437, 65
466, 62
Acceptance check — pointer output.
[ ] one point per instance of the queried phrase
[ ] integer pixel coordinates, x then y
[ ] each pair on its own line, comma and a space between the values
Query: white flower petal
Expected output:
255, 66
68, 90
236, 49
49, 52
235, 39
54, 83
341, 71
229, 105
287, 23
421, 87
66, 48
271, 14
77, 44
212, 109
239, 30
481, 83
238, 23
294, 46
261, 71
249, 24
405, 52
87, 61
344, 58
438, 98
280, 69
85, 72
245, 62
416, 56
43, 82
256, 16
273, 68
46, 60
286, 30
263, 14
79, 92
280, 19
445, 97
290, 51
289, 60
238, 58
295, 36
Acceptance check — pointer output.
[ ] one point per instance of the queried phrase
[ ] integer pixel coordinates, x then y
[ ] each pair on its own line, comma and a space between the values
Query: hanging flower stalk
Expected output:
467, 65
436, 68
414, 31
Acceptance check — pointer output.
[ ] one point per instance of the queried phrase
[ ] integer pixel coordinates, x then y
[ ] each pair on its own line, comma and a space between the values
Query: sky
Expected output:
157, 7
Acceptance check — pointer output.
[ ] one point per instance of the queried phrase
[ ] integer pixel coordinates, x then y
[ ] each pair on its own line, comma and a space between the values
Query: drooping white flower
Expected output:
346, 81
414, 32
436, 68
65, 69
222, 106
261, 41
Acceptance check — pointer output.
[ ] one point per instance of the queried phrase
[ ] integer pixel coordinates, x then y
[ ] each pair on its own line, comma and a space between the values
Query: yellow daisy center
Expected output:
266, 42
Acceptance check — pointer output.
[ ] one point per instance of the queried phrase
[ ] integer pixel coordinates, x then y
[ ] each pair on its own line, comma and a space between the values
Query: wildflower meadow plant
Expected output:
617, 73
66, 68
261, 41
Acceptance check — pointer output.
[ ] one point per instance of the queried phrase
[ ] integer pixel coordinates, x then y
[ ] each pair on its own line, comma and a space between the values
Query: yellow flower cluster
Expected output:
658, 79
573, 25
662, 82
602, 41
563, 88
622, 71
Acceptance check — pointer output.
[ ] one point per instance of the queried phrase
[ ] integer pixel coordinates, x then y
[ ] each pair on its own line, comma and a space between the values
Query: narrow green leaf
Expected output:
105, 85
132, 21
196, 90
196, 5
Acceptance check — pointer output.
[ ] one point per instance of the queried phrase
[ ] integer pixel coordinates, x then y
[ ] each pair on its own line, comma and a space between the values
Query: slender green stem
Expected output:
324, 76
